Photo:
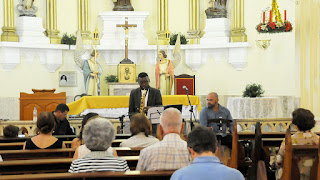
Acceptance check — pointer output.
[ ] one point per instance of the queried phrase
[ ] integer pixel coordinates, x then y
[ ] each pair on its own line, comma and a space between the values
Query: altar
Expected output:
116, 106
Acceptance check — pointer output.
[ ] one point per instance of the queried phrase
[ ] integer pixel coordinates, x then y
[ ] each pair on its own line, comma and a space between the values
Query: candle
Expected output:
270, 19
285, 15
264, 17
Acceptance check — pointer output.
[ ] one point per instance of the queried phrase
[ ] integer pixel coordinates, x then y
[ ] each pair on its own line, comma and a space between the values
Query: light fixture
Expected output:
264, 43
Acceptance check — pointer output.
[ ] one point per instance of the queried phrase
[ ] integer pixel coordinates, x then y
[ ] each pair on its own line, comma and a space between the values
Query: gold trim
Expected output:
163, 21
83, 13
9, 30
51, 25
238, 30
194, 19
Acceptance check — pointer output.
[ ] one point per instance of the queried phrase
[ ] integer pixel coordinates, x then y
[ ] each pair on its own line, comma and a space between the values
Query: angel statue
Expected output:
88, 63
26, 8
164, 69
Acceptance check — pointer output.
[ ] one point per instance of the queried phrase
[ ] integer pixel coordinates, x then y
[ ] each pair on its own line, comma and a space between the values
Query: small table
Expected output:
262, 107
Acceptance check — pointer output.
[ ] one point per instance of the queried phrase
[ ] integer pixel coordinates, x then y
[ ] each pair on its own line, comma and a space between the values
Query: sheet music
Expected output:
154, 114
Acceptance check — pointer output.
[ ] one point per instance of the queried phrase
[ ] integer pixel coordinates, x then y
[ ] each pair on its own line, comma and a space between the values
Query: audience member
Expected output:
171, 153
44, 140
140, 128
62, 124
81, 149
215, 111
303, 121
76, 142
11, 131
98, 135
202, 145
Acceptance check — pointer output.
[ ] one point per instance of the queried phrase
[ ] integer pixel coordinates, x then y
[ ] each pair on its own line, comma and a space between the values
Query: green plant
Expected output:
173, 39
111, 78
253, 90
68, 39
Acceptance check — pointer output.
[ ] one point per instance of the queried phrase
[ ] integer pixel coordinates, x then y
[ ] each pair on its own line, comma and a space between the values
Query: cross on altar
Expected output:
126, 27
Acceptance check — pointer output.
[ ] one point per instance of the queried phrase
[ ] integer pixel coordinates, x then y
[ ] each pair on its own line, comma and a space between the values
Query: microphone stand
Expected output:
191, 111
121, 122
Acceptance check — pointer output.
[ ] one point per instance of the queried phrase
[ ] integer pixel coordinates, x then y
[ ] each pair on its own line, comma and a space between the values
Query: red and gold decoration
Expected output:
274, 24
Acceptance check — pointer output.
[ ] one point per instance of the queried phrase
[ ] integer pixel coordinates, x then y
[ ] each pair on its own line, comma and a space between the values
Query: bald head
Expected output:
212, 100
171, 120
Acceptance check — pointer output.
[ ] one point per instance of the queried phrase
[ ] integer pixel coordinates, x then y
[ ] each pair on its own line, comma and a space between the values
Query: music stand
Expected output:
177, 106
154, 114
220, 122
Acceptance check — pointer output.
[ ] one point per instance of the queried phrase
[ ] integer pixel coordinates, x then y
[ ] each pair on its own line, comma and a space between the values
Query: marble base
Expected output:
121, 89
217, 31
30, 30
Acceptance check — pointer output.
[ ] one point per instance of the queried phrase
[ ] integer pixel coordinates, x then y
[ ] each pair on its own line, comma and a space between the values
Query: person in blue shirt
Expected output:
215, 111
202, 145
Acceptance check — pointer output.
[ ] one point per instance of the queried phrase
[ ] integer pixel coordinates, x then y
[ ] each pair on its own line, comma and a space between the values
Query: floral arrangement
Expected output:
274, 27
111, 78
173, 39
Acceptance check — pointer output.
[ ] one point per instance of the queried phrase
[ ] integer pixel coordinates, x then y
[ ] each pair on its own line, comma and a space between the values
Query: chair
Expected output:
184, 80
292, 155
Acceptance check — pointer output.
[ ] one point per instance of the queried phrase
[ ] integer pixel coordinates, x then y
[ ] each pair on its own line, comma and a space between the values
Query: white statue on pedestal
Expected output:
26, 8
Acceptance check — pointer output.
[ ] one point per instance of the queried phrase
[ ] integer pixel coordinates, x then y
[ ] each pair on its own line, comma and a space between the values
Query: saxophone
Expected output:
142, 102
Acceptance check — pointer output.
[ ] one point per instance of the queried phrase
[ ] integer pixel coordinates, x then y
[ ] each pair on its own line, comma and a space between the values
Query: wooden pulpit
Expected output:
43, 100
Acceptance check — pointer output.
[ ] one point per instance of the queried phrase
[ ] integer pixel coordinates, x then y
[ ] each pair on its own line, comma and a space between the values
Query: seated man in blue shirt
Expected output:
202, 145
215, 111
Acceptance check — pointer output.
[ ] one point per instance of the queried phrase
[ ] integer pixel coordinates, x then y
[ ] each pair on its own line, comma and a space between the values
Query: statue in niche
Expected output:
26, 8
218, 9
122, 5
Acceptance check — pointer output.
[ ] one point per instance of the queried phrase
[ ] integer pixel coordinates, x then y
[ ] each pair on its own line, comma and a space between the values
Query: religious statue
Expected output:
218, 9
88, 63
91, 73
164, 74
122, 5
26, 8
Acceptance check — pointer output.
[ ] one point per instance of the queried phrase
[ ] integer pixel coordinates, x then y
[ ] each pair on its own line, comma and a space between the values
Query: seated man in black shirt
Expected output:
62, 124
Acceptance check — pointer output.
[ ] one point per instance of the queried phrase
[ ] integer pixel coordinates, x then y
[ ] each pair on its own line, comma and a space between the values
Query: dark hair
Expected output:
140, 123
62, 108
163, 53
202, 139
45, 122
303, 118
142, 75
84, 122
10, 131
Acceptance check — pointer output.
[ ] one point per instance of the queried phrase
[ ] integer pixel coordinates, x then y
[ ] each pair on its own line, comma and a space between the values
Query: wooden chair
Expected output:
132, 175
291, 159
259, 158
184, 80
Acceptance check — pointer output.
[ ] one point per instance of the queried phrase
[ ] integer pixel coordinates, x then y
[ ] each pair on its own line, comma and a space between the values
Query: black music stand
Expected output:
220, 123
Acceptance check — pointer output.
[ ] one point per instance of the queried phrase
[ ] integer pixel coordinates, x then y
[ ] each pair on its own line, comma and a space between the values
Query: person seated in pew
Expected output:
62, 126
98, 135
140, 128
303, 121
81, 149
44, 140
11, 131
202, 145
171, 153
76, 142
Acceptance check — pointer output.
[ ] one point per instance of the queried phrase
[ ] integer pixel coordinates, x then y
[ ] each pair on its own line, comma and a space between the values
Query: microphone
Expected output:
185, 88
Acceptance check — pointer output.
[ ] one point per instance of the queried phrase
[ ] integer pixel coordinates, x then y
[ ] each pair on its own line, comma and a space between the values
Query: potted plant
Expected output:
253, 90
173, 39
68, 39
111, 78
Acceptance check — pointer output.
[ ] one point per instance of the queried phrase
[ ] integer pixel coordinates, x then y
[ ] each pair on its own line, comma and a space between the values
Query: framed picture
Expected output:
67, 78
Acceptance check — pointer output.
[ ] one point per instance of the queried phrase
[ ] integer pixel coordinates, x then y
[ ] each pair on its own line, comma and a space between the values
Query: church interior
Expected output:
221, 46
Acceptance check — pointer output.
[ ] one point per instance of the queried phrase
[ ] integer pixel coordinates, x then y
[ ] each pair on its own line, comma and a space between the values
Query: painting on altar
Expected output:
67, 79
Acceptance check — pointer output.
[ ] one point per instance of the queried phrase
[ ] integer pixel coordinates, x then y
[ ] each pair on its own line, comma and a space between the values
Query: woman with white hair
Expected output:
98, 136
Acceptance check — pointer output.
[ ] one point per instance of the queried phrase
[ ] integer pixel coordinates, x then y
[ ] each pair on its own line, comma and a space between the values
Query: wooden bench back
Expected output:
139, 175
293, 153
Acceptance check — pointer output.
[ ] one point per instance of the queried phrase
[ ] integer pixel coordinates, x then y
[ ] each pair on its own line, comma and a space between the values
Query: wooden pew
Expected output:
293, 152
141, 175
48, 165
57, 153
19, 145
257, 169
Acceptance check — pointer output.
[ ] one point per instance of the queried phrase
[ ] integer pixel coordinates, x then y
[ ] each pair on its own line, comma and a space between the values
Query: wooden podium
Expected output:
43, 100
